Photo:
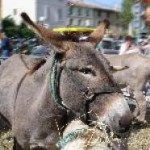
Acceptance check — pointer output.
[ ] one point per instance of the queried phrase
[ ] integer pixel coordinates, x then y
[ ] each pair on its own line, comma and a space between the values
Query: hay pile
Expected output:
138, 138
6, 140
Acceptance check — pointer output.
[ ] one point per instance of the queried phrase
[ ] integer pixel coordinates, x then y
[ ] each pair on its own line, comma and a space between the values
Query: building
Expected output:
87, 15
138, 22
51, 13
56, 13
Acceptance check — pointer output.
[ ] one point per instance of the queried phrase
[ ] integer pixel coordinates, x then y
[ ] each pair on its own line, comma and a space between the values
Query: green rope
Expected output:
54, 83
55, 94
69, 137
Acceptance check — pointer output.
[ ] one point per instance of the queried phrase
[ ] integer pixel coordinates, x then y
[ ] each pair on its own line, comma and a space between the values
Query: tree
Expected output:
126, 13
8, 22
12, 30
25, 32
9, 26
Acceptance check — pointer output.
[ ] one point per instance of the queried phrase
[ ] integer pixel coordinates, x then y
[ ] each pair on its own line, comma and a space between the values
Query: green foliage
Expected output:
22, 25
8, 22
126, 14
26, 33
12, 30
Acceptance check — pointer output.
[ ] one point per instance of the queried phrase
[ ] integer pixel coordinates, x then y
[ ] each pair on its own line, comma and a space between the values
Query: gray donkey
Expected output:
135, 76
129, 70
38, 98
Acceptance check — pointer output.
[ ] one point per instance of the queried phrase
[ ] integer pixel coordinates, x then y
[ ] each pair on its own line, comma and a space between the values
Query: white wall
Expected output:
8, 7
49, 10
37, 9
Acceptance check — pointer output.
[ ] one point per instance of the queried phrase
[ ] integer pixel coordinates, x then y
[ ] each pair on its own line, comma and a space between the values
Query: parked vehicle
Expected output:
108, 46
40, 51
24, 45
2, 59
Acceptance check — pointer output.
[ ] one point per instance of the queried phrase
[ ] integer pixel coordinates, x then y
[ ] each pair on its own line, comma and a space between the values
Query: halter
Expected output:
54, 82
88, 93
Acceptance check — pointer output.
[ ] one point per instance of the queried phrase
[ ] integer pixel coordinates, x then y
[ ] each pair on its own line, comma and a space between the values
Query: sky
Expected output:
109, 3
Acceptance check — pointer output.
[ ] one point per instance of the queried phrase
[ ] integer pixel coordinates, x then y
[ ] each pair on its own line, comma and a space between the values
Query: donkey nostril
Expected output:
38, 148
120, 123
123, 128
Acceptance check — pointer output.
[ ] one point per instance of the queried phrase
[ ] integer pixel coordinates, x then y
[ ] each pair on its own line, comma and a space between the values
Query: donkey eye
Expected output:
87, 71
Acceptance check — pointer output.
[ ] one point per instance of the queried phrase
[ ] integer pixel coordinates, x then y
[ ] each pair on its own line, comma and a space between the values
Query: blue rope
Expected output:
69, 137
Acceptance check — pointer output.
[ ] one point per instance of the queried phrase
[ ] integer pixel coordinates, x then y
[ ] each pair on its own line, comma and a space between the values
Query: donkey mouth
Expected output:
115, 113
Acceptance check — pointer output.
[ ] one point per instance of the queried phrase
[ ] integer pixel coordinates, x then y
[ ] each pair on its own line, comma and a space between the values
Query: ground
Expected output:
137, 138
6, 140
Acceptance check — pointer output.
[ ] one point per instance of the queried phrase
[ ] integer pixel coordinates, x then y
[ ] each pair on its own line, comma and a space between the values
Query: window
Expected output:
108, 14
136, 8
70, 22
79, 22
14, 12
47, 13
70, 10
79, 11
60, 14
99, 13
87, 12
87, 22
107, 44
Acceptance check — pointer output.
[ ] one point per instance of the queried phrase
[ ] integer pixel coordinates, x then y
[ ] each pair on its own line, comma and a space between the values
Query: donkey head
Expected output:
85, 86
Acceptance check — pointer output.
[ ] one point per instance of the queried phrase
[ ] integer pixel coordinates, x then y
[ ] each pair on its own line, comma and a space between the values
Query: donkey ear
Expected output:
47, 35
118, 68
96, 36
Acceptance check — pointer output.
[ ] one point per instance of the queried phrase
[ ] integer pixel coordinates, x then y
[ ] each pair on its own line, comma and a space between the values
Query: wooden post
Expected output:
0, 14
0, 9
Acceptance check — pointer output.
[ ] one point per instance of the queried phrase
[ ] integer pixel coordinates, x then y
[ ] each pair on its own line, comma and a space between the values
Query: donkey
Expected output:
38, 98
135, 76
129, 70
